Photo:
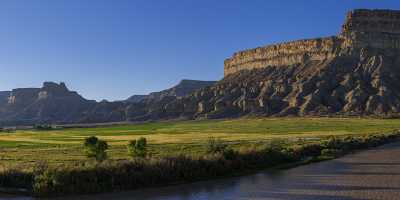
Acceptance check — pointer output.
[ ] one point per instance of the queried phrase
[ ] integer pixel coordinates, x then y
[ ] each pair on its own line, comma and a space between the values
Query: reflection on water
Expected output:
373, 174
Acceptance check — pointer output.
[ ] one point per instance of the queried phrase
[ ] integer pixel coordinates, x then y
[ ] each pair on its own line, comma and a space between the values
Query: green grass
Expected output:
26, 147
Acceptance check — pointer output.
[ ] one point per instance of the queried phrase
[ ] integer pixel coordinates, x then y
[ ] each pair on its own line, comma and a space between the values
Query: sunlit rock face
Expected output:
378, 29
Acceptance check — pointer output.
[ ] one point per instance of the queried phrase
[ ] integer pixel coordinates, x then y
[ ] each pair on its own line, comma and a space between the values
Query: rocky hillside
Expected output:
354, 73
51, 103
4, 97
55, 103
183, 88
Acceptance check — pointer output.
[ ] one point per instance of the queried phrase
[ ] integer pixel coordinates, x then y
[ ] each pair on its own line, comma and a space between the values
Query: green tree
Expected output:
95, 148
138, 148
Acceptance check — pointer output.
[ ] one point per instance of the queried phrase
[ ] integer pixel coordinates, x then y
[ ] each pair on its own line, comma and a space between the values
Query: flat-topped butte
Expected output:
362, 29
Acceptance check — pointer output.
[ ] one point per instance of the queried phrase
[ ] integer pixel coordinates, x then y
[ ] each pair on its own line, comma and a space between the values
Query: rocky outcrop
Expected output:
136, 98
4, 97
183, 88
354, 73
285, 54
378, 29
55, 103
51, 103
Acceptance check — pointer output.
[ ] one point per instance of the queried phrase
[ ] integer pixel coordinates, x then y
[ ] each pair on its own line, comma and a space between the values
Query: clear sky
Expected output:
111, 49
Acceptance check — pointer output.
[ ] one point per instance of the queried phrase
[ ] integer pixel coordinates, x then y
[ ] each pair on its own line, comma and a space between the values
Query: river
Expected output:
371, 174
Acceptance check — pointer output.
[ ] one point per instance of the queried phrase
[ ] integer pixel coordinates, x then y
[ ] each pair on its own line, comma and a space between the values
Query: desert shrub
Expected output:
278, 155
331, 152
352, 143
9, 130
277, 144
307, 150
138, 148
332, 142
218, 147
230, 154
95, 148
215, 146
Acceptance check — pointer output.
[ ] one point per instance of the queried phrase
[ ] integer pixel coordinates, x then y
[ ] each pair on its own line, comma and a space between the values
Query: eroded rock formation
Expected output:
51, 103
183, 88
354, 73
379, 29
55, 103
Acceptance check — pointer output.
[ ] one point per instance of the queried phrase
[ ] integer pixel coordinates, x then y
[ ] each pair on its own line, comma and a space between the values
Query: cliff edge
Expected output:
378, 29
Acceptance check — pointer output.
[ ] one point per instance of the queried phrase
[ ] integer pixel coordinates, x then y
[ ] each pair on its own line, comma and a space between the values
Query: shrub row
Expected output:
124, 175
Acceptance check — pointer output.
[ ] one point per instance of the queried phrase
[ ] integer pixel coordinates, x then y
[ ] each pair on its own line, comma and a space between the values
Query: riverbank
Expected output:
110, 176
372, 174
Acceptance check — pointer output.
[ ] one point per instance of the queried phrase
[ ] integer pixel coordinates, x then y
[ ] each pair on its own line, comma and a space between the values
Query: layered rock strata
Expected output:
362, 29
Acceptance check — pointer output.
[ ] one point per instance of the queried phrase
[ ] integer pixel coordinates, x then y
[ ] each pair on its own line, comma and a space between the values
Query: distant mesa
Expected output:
52, 102
55, 103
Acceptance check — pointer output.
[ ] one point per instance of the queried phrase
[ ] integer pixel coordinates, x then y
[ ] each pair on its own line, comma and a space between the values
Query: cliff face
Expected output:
362, 29
291, 53
354, 73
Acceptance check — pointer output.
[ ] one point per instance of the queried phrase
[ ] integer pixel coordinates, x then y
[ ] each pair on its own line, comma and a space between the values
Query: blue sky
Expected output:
108, 49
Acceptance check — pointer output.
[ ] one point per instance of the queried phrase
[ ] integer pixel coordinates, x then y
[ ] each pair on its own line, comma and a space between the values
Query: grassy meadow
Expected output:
25, 147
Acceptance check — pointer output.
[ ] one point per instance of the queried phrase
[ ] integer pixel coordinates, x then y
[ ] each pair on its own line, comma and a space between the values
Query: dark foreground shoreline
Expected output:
369, 174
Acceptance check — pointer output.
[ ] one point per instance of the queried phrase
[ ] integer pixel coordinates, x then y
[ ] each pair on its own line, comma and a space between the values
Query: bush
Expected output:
332, 142
9, 130
331, 152
215, 146
95, 148
138, 148
230, 154
277, 144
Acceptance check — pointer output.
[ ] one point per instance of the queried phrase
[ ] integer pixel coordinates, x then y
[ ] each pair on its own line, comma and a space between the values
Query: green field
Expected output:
25, 147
